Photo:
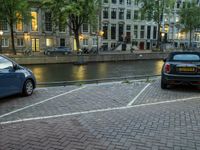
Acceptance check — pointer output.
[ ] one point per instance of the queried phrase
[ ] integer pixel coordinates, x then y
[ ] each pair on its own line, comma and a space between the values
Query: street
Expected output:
119, 115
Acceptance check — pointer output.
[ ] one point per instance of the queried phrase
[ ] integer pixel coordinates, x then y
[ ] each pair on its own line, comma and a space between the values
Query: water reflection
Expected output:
70, 72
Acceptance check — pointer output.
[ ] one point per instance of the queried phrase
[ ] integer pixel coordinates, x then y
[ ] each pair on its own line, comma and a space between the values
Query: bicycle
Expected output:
27, 51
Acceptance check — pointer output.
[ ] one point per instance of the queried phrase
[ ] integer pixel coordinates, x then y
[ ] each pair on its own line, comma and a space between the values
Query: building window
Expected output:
114, 1
128, 27
148, 32
154, 32
3, 25
49, 42
113, 31
105, 30
121, 32
48, 21
136, 15
85, 27
34, 21
136, 31
94, 41
61, 27
19, 23
85, 42
5, 42
114, 13
121, 13
121, 2
20, 42
62, 42
142, 30
128, 14
105, 13
105, 1
128, 2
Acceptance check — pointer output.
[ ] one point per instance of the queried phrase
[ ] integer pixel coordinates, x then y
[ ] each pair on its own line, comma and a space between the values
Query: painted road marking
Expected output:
98, 110
46, 100
129, 104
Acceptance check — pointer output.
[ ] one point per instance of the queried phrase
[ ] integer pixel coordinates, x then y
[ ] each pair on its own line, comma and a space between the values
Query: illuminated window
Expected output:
49, 42
34, 22
19, 23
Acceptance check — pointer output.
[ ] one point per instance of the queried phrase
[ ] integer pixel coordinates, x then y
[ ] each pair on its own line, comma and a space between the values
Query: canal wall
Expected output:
79, 59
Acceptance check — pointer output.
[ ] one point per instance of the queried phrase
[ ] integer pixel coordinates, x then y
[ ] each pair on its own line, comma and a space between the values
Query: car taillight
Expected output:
167, 68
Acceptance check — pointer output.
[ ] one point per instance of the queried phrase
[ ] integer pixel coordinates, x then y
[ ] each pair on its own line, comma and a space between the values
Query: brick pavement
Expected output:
173, 125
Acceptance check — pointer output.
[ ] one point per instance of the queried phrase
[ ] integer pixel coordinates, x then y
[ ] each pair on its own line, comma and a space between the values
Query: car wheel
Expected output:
164, 85
28, 88
65, 53
48, 53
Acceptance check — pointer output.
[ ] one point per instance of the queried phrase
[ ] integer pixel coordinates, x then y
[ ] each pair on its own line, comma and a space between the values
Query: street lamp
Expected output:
99, 33
1, 33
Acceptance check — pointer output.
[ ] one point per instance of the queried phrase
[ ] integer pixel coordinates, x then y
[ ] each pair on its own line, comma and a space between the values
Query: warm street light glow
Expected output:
101, 33
162, 34
1, 32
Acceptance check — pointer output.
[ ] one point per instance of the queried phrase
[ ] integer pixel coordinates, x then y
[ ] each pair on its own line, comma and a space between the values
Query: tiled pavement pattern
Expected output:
173, 126
89, 98
155, 94
16, 102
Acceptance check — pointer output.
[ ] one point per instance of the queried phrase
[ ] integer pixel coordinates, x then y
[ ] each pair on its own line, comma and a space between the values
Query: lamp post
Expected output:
99, 33
1, 33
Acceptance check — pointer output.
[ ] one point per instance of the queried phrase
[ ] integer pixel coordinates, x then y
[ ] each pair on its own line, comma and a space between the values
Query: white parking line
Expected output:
98, 110
46, 100
129, 104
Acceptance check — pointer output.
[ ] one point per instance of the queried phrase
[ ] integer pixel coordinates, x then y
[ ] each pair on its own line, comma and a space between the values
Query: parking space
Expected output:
132, 115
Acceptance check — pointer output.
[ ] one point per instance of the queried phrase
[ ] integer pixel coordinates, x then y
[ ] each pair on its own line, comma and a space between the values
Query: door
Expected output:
9, 79
35, 44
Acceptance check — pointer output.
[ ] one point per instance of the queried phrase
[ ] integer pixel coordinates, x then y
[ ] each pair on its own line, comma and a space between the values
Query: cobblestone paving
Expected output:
155, 94
89, 98
170, 126
166, 126
16, 102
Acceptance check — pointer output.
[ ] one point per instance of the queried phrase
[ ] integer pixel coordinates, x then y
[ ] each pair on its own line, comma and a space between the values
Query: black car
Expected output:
57, 50
181, 68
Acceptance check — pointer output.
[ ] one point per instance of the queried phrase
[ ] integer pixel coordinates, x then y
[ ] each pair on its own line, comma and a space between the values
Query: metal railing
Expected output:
92, 81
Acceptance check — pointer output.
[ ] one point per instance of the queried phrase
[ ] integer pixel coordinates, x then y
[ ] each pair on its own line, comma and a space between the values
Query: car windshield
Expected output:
4, 63
186, 57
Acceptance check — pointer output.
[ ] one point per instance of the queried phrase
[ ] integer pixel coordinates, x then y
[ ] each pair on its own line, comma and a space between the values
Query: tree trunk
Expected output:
12, 38
158, 36
76, 33
190, 38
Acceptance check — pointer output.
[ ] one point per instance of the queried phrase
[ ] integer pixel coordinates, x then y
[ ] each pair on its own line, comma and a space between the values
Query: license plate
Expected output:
186, 69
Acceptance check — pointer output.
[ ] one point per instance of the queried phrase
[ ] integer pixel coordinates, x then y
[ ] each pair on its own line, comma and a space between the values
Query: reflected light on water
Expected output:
102, 70
158, 67
39, 73
79, 72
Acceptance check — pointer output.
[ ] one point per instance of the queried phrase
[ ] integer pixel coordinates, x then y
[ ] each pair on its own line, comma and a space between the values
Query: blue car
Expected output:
57, 50
15, 79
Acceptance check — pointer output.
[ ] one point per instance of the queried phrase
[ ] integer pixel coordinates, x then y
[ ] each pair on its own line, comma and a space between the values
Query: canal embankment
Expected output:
41, 59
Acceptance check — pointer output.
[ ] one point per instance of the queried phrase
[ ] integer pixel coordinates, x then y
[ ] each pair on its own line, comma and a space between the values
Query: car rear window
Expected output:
186, 57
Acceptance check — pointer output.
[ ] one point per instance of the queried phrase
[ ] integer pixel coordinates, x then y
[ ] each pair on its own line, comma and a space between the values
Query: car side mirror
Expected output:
15, 66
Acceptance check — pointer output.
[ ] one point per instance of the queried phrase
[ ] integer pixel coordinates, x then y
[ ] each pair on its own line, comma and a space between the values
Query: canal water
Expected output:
71, 72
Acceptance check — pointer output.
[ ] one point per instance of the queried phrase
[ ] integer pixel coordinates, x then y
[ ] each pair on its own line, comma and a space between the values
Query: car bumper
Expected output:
181, 79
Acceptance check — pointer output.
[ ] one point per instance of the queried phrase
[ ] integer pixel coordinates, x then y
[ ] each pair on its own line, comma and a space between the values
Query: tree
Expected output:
190, 17
155, 10
14, 11
74, 13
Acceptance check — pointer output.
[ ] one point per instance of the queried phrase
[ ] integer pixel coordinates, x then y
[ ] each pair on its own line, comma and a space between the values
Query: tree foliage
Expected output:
74, 13
13, 11
155, 9
190, 17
